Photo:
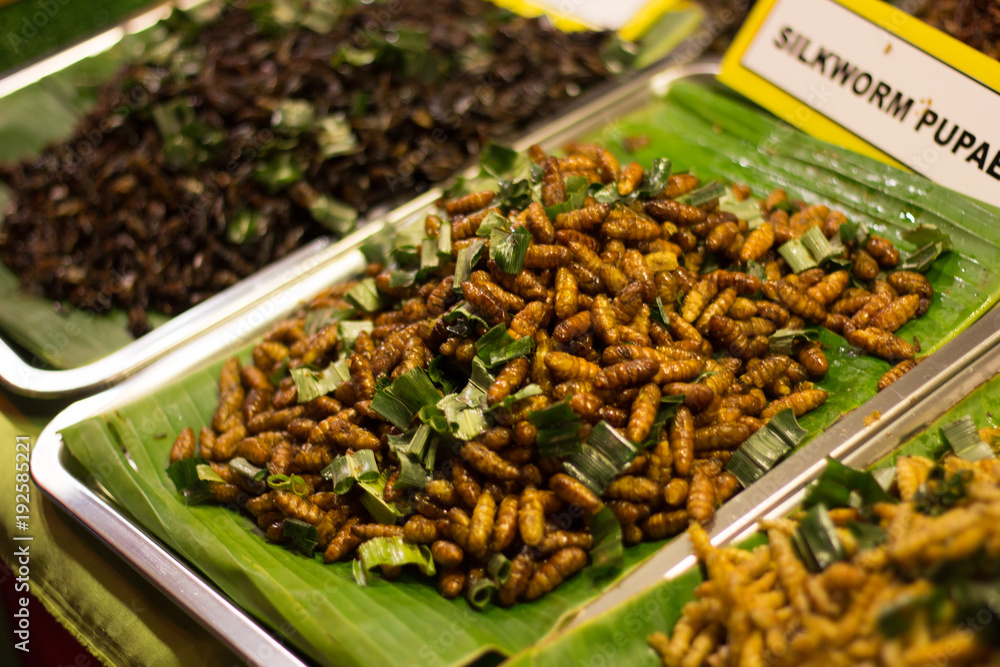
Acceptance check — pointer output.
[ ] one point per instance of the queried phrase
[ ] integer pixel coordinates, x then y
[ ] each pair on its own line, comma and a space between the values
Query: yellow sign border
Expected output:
636, 27
951, 51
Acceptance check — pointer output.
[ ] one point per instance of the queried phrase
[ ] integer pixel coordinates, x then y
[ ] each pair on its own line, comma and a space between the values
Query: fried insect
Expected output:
531, 517
682, 440
627, 374
567, 293
896, 372
644, 409
881, 344
882, 249
795, 301
557, 568
701, 497
183, 447
508, 380
758, 243
483, 300
573, 492
487, 462
897, 313
799, 402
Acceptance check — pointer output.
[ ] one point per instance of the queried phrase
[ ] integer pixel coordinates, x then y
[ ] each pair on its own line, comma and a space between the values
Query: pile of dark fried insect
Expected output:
606, 328
243, 138
912, 596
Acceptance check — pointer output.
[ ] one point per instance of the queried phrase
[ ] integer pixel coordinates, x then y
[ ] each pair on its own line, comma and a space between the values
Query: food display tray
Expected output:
19, 375
892, 413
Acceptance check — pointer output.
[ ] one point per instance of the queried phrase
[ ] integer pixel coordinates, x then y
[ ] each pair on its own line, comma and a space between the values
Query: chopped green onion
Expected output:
798, 257
492, 221
430, 260
605, 194
868, 535
411, 444
659, 313
391, 551
411, 474
558, 430
783, 340
407, 243
601, 458
459, 320
344, 470
402, 278
655, 180
497, 347
379, 245
184, 475
818, 245
333, 214
207, 474
608, 552
279, 373
816, 540
467, 258
762, 451
927, 234
292, 116
498, 160
499, 569
247, 469
335, 136
408, 394
963, 438
375, 503
853, 232
508, 249
291, 483
347, 333
304, 536
748, 209
317, 319
896, 616
939, 491
459, 419
513, 194
885, 476
446, 373
704, 194
391, 408
667, 409
920, 260
481, 592
525, 392
576, 192
311, 384
842, 486
365, 296
246, 227
278, 172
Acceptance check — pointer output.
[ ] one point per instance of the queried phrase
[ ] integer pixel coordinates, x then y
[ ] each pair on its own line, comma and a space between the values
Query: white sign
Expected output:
600, 13
924, 113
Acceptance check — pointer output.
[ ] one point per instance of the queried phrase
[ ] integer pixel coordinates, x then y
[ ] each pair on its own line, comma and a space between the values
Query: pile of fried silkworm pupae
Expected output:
764, 607
586, 294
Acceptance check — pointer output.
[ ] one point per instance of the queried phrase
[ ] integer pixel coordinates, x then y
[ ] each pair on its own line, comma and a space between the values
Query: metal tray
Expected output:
21, 377
81, 498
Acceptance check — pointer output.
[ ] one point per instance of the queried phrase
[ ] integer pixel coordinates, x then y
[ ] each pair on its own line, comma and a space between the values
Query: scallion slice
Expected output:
704, 194
497, 346
558, 430
783, 340
310, 384
842, 486
344, 470
818, 245
391, 551
365, 296
304, 536
963, 438
381, 511
481, 592
247, 469
467, 258
508, 249
798, 257
207, 474
499, 569
816, 540
411, 474
291, 483
184, 475
348, 331
762, 451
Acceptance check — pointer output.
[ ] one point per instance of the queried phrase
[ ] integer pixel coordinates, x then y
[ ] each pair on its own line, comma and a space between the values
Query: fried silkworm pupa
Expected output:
560, 566
896, 372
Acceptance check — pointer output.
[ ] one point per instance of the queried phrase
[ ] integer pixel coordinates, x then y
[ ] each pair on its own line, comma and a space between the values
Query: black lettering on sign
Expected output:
967, 140
868, 83
946, 140
881, 90
979, 155
844, 70
899, 108
782, 39
992, 169
928, 118
820, 59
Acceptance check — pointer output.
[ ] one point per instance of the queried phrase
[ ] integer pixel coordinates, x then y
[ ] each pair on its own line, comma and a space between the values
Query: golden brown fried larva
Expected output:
897, 313
800, 402
794, 300
758, 243
481, 525
630, 179
644, 409
446, 554
183, 447
895, 373
701, 498
627, 374
829, 289
664, 524
420, 530
487, 462
508, 380
485, 302
566, 293
881, 343
568, 367
574, 492
521, 570
531, 517
557, 568
883, 251
470, 202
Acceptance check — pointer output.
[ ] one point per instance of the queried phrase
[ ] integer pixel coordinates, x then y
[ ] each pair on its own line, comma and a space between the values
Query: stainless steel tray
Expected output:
591, 111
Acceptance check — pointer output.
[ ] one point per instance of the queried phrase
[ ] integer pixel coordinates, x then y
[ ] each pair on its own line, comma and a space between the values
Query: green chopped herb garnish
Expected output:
312, 384
762, 451
608, 552
304, 536
343, 471
816, 540
391, 551
963, 438
365, 296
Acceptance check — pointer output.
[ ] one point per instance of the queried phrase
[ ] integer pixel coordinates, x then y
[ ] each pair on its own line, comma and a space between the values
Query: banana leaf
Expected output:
388, 622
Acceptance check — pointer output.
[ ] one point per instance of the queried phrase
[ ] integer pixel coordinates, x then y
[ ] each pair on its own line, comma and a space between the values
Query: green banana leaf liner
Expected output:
332, 620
